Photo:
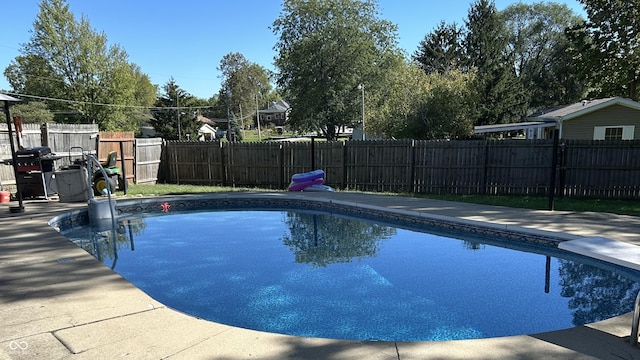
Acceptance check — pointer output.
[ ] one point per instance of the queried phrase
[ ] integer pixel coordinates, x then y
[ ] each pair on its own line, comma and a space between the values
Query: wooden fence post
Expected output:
44, 134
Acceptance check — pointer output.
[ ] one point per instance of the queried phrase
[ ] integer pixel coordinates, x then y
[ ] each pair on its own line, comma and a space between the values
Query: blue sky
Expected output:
186, 39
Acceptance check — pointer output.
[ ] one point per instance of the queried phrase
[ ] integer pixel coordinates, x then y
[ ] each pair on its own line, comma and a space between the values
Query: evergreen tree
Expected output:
173, 119
501, 97
441, 50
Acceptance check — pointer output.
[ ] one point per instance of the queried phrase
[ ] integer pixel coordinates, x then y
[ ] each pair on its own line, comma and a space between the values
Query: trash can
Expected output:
73, 184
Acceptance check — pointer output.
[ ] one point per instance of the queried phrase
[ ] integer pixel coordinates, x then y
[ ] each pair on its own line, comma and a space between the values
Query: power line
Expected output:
105, 104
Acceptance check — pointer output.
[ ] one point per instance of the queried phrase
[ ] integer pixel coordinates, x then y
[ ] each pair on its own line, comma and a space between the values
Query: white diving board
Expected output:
616, 252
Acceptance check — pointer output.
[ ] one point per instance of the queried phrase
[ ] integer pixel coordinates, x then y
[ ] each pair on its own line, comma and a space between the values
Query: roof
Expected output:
211, 122
568, 112
5, 97
280, 106
482, 129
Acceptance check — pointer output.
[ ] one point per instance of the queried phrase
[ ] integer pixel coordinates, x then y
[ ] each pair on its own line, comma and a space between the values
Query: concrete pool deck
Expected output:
58, 302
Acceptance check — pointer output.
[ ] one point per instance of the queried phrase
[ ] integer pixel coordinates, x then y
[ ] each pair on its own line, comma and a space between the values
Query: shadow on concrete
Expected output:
34, 281
592, 342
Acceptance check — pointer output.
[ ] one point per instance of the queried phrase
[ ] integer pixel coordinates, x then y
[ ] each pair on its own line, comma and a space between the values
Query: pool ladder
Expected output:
636, 321
109, 190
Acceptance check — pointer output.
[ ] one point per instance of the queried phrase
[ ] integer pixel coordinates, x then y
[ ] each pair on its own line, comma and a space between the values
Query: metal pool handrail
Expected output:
635, 321
104, 174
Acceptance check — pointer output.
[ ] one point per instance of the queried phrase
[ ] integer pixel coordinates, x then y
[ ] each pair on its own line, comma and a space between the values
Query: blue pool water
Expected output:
322, 275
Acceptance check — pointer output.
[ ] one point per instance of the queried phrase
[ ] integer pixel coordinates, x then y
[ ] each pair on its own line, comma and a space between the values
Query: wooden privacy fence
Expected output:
606, 169
140, 158
65, 140
122, 143
147, 160
69, 140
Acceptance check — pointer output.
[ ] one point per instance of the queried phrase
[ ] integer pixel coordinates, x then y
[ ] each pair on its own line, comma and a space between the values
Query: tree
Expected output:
75, 63
595, 294
606, 47
414, 105
325, 49
539, 50
390, 109
173, 119
34, 112
447, 112
322, 239
247, 82
502, 98
441, 50
32, 74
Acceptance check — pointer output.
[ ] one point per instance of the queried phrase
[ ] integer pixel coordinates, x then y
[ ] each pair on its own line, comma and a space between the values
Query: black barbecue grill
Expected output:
35, 170
35, 159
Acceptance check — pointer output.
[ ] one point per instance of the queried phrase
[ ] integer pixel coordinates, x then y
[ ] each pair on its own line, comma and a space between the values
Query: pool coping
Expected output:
598, 340
127, 207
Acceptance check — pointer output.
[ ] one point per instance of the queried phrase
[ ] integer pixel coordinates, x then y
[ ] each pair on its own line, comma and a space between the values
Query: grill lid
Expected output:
36, 151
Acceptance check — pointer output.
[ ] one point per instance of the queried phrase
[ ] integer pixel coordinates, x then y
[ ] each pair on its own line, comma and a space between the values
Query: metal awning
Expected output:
5, 97
483, 129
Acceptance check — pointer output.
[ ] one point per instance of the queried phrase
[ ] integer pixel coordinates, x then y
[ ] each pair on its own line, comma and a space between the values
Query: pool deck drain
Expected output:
82, 310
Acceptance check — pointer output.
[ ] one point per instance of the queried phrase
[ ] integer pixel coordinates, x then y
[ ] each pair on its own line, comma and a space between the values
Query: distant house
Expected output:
277, 114
610, 118
600, 119
208, 128
206, 132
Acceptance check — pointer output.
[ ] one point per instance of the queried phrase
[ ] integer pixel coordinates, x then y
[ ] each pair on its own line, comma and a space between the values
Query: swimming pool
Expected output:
292, 272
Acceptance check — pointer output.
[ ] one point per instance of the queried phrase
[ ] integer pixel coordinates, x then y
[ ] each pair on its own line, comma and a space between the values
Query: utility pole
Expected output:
228, 116
178, 109
361, 87
258, 118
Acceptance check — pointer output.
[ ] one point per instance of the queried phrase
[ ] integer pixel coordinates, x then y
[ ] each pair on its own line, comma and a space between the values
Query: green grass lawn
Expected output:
622, 207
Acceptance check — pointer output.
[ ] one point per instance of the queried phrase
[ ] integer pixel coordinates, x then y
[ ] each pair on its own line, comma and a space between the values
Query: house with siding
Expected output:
599, 119
277, 114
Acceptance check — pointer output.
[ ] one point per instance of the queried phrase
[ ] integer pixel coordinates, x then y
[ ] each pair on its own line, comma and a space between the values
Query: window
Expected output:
613, 133
277, 116
625, 132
